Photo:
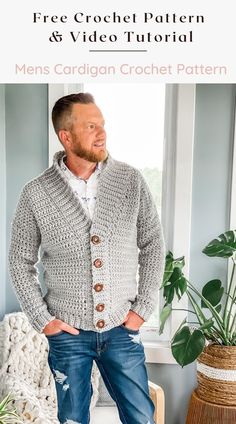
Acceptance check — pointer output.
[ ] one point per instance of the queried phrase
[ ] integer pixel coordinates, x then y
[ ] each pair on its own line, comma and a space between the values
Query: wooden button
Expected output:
95, 239
100, 323
98, 287
100, 307
98, 263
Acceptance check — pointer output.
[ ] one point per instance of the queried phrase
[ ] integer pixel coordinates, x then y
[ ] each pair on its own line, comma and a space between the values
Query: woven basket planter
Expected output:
216, 374
214, 400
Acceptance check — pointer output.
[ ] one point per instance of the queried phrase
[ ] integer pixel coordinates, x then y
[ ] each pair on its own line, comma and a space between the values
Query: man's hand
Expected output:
133, 321
56, 325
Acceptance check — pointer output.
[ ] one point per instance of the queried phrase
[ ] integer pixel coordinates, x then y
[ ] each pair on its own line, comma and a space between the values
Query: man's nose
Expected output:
101, 131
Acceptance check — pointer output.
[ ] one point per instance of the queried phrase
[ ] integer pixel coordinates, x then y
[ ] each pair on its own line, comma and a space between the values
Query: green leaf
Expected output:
165, 313
7, 415
170, 265
213, 292
218, 308
186, 346
207, 324
182, 286
179, 262
168, 268
5, 401
168, 293
177, 284
224, 246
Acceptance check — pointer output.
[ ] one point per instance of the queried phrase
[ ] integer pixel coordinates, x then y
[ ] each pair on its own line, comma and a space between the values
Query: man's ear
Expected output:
65, 138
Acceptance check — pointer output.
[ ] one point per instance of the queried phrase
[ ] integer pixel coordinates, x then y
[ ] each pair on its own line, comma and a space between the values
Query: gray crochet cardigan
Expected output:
91, 282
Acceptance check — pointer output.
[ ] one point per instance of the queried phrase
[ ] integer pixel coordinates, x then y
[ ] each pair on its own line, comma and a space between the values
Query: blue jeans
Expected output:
119, 355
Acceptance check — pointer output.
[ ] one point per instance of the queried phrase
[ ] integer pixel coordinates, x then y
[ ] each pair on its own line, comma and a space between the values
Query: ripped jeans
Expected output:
119, 355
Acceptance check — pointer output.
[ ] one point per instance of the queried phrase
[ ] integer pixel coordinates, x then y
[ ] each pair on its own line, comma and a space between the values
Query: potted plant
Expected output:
211, 336
7, 415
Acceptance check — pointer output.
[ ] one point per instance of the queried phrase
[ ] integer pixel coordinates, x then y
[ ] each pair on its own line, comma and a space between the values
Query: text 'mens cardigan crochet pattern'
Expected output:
90, 267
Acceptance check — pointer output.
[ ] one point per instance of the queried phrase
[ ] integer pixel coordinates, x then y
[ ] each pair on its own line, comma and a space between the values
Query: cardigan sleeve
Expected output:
151, 257
22, 258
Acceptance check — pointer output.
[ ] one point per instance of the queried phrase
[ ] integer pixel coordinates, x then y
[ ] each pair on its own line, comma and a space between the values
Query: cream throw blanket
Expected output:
24, 371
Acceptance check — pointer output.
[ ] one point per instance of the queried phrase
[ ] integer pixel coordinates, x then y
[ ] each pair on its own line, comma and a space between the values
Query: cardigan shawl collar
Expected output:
110, 196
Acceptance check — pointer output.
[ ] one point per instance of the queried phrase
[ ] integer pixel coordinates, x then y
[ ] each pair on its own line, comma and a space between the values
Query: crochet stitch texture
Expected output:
49, 216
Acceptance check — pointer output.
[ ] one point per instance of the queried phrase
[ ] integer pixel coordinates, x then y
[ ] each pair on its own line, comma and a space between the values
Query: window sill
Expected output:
158, 353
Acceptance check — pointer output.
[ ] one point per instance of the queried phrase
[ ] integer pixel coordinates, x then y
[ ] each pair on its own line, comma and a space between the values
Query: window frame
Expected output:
176, 194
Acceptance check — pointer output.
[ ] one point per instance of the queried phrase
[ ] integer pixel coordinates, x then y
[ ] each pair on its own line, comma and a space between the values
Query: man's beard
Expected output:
90, 156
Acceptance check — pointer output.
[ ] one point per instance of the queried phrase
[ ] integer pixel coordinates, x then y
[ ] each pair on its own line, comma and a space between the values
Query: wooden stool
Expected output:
201, 412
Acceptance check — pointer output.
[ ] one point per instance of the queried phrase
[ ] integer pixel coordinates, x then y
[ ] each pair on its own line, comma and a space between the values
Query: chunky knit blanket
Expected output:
24, 371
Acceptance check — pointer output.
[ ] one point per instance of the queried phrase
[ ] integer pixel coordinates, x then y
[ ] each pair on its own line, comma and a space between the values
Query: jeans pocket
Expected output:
130, 330
54, 335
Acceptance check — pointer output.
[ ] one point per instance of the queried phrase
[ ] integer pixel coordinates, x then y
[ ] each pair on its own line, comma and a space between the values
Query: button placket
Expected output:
98, 270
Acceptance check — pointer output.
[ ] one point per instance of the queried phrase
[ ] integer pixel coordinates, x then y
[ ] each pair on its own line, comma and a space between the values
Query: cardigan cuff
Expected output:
41, 320
142, 310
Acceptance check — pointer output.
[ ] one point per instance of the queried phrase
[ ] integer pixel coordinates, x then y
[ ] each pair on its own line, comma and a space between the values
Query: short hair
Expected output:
61, 112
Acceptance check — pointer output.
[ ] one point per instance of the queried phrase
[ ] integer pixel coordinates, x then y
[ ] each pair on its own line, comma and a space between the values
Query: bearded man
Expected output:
95, 222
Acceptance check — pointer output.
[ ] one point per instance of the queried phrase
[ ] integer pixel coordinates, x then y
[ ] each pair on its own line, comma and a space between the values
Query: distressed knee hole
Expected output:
61, 378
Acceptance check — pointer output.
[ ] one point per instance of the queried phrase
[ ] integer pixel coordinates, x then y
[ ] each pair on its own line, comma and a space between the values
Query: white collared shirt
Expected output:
86, 190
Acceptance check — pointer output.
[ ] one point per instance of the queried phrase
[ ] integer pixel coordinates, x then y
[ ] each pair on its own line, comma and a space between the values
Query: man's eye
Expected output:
91, 126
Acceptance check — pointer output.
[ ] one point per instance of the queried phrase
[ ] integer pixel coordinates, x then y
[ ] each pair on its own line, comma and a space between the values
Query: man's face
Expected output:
88, 136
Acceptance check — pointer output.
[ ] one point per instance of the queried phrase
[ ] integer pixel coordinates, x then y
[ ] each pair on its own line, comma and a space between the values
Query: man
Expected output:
96, 223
